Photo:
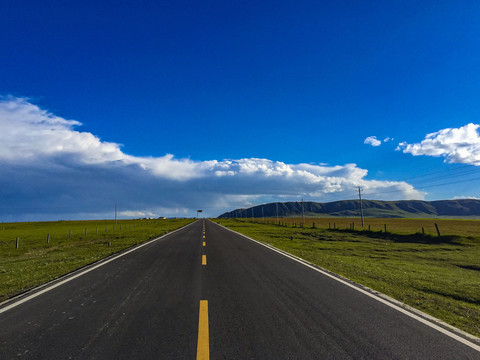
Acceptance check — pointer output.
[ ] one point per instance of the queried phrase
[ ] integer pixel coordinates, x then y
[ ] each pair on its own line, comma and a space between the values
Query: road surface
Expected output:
206, 292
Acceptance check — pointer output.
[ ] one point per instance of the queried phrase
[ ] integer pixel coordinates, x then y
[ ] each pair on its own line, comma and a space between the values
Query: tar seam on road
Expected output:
373, 296
203, 347
70, 278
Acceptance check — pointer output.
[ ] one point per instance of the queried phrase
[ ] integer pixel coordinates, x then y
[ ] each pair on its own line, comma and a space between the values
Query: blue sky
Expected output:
249, 85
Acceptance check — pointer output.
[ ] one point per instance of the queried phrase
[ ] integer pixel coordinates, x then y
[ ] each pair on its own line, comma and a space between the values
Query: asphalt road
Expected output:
222, 297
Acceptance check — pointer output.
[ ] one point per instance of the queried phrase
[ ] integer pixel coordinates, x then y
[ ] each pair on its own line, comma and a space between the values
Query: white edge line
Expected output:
373, 296
70, 277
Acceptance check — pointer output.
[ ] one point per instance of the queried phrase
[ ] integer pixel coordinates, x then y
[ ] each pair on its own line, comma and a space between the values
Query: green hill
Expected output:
462, 208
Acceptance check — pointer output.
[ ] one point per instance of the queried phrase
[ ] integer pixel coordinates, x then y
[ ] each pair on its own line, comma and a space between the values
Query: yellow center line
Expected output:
204, 259
203, 347
204, 236
204, 243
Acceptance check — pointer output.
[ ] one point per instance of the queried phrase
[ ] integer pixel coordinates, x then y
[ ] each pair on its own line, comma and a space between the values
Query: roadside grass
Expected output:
36, 262
437, 275
462, 227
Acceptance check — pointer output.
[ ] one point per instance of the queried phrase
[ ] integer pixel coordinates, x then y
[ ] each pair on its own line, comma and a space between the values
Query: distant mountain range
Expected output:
462, 208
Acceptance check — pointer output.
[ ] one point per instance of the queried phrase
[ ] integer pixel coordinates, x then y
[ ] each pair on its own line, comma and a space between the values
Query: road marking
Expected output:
394, 304
69, 277
203, 347
204, 259
204, 236
204, 243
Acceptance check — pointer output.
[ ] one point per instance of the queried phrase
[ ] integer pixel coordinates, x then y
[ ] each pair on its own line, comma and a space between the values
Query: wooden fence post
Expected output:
48, 238
17, 242
438, 231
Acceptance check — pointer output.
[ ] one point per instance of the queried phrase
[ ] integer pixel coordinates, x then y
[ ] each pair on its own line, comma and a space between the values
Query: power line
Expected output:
437, 172
422, 187
463, 173
422, 183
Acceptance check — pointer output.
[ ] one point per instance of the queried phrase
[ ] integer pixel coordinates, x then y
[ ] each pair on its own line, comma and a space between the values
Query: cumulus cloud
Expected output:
372, 140
456, 145
50, 170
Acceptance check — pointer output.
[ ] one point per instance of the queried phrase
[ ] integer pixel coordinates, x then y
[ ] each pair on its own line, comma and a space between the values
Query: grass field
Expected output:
438, 275
72, 244
394, 225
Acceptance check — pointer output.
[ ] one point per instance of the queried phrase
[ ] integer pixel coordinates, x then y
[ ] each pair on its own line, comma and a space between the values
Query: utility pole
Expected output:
361, 205
276, 204
115, 214
303, 214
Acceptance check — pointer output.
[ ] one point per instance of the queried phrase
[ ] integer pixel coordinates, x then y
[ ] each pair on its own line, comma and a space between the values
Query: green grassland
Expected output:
438, 275
394, 225
36, 261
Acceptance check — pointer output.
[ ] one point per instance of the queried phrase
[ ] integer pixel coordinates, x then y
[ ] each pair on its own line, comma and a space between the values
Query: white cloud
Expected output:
372, 140
463, 197
49, 170
387, 139
29, 132
456, 145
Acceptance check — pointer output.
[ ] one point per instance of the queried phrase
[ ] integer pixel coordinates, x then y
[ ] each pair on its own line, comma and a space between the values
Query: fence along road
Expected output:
205, 292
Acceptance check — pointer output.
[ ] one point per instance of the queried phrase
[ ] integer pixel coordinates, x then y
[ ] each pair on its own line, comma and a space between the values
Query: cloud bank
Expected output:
456, 145
50, 170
